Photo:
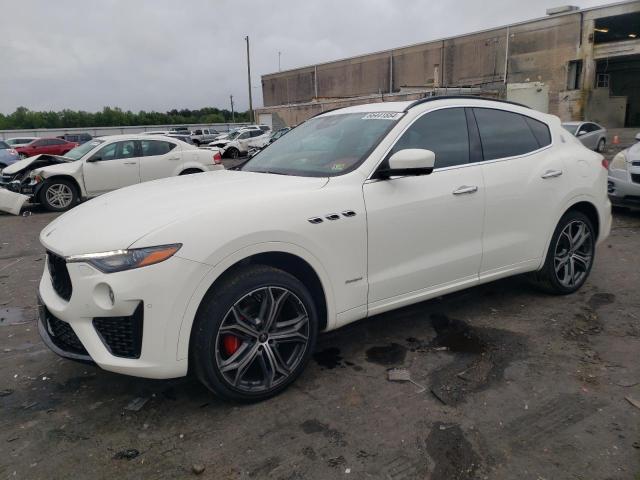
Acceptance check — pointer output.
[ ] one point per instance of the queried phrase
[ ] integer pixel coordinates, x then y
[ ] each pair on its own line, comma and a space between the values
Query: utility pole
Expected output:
233, 115
279, 54
249, 80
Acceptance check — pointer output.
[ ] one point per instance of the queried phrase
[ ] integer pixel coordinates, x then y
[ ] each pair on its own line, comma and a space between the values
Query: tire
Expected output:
601, 143
196, 143
570, 257
58, 195
247, 363
233, 153
22, 156
190, 171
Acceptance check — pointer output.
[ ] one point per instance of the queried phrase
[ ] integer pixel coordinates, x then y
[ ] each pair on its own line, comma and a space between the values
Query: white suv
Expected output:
237, 144
353, 213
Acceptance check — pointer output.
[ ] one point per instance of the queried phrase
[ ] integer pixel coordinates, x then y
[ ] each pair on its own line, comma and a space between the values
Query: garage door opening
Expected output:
620, 76
617, 28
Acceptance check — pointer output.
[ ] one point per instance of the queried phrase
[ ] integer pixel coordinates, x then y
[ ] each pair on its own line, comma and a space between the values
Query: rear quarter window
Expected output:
504, 134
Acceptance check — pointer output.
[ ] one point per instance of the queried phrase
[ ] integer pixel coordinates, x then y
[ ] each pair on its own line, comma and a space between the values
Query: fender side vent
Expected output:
315, 220
348, 213
333, 216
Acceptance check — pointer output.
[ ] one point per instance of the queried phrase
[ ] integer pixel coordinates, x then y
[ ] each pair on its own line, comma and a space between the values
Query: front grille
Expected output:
635, 164
62, 335
122, 335
59, 275
635, 177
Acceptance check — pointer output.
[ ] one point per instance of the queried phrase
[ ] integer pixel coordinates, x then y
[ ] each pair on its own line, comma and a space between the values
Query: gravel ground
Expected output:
518, 385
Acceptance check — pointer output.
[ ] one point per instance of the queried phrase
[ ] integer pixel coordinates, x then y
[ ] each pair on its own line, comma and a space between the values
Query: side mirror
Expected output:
580, 133
95, 158
410, 161
638, 137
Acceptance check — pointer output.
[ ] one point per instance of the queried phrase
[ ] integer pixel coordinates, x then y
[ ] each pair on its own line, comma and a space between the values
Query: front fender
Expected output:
223, 265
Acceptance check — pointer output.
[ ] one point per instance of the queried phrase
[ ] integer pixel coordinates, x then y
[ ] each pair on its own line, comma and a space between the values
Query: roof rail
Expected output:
459, 97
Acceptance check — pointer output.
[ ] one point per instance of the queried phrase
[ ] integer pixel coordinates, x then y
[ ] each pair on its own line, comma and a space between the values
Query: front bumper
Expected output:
92, 327
623, 191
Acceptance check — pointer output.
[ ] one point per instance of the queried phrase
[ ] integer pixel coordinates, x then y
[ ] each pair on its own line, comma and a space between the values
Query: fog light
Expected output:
103, 296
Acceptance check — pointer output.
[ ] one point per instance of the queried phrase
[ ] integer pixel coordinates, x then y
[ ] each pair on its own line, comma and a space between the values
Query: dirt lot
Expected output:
518, 385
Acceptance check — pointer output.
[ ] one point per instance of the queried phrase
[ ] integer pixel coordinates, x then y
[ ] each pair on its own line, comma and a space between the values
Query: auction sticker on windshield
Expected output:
383, 116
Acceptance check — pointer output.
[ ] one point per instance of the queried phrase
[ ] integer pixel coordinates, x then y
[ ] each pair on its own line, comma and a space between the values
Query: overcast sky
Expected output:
159, 55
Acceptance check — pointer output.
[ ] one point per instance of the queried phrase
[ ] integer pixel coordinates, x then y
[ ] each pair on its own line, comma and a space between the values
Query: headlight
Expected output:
119, 260
619, 162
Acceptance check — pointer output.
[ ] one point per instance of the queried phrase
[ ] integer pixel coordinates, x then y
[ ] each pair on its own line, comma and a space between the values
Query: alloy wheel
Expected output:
59, 195
262, 339
573, 253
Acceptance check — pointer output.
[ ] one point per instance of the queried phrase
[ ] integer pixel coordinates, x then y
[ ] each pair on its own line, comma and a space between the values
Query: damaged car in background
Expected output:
99, 166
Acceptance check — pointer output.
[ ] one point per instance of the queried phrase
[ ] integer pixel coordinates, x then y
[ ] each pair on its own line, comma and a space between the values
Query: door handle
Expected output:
465, 189
174, 158
129, 163
551, 174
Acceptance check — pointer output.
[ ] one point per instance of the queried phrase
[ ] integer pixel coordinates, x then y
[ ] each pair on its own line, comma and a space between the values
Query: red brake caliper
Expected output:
231, 344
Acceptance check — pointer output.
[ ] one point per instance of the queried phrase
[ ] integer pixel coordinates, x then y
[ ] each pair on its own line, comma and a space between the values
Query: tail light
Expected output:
605, 164
217, 158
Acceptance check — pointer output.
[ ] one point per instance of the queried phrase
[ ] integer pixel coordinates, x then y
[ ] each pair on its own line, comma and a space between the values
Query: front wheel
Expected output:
570, 255
253, 334
58, 195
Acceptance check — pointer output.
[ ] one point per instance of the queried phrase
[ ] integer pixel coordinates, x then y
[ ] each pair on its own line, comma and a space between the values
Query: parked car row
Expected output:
624, 177
59, 180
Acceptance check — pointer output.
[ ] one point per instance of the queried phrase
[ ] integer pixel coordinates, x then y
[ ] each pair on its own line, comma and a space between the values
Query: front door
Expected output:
424, 232
114, 166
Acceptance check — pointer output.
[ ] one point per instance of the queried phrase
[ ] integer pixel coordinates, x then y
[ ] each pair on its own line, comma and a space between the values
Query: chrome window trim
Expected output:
470, 164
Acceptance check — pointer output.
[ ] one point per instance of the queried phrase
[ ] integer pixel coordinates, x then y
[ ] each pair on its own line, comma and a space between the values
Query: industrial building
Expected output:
577, 64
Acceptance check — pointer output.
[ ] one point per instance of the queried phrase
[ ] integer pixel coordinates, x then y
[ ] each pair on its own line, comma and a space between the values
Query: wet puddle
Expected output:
387, 355
328, 358
480, 356
16, 316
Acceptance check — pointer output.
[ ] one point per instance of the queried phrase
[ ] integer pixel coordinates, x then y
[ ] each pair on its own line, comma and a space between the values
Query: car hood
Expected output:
633, 152
31, 163
116, 220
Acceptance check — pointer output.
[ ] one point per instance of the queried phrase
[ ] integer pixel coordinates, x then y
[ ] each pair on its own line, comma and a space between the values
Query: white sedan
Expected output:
105, 164
355, 212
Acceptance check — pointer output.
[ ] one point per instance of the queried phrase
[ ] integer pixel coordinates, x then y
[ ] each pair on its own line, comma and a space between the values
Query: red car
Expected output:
51, 146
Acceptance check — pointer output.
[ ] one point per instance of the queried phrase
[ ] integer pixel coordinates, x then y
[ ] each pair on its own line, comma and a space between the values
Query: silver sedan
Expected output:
592, 135
624, 177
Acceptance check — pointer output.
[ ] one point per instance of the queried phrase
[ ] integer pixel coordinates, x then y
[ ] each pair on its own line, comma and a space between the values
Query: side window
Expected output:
39, 143
444, 132
108, 152
243, 136
152, 148
198, 132
256, 133
504, 134
57, 141
126, 149
540, 131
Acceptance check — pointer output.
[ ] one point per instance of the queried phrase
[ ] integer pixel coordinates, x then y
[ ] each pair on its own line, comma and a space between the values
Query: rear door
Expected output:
114, 166
159, 159
524, 182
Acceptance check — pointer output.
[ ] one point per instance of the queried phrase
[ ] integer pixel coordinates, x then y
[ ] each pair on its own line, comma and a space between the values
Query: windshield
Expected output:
4, 146
79, 152
233, 135
325, 146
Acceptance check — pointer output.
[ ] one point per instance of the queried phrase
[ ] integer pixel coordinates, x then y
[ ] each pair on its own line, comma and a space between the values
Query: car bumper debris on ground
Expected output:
516, 383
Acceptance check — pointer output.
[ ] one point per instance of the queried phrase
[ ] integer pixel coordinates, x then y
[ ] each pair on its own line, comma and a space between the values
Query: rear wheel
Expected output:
254, 333
570, 256
233, 153
601, 145
190, 171
58, 195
